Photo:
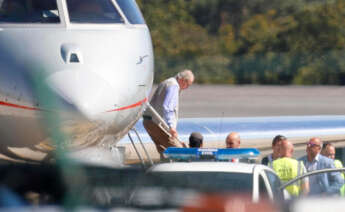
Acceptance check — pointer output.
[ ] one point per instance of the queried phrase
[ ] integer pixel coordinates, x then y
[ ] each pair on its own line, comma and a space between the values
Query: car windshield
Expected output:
29, 11
93, 11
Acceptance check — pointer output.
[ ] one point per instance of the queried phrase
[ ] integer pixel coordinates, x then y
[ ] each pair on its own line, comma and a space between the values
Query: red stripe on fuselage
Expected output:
18, 106
130, 106
38, 109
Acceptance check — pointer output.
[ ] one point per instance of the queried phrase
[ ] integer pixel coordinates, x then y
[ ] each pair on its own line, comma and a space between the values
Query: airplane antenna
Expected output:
220, 126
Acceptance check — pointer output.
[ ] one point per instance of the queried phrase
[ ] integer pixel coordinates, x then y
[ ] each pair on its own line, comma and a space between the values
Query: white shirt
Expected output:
312, 166
313, 180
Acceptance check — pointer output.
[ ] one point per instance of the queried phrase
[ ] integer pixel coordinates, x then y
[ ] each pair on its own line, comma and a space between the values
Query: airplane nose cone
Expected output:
88, 92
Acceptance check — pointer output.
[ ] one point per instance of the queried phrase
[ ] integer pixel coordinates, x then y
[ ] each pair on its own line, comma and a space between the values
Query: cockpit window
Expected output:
29, 11
93, 11
131, 10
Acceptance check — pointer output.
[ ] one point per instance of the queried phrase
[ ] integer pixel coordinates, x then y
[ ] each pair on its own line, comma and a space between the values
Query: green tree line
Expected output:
249, 41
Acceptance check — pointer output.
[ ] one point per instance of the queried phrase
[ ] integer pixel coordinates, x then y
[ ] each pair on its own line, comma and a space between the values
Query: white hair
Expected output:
186, 75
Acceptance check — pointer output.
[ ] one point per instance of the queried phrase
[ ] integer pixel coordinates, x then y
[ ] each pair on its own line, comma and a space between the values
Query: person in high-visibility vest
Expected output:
328, 150
338, 164
288, 168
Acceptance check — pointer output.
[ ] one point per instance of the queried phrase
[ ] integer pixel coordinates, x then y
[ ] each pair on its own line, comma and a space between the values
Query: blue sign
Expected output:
187, 154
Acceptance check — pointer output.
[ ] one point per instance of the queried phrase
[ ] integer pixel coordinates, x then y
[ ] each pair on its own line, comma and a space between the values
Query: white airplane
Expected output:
76, 68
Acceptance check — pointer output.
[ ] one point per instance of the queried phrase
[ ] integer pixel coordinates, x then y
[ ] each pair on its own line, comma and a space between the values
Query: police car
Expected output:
220, 174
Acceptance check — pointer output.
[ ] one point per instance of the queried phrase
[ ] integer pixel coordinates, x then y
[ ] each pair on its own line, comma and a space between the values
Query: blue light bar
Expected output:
206, 153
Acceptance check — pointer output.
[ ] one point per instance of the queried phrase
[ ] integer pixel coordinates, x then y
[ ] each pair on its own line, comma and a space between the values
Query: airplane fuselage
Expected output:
87, 81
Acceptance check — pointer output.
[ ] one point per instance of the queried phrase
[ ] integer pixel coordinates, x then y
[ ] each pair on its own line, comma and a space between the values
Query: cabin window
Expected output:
93, 11
131, 10
29, 11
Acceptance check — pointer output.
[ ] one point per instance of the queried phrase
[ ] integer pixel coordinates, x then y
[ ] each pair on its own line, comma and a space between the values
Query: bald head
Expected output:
313, 148
286, 149
316, 141
233, 140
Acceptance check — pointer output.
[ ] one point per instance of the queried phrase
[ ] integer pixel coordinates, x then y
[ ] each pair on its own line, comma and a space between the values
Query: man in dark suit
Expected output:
325, 183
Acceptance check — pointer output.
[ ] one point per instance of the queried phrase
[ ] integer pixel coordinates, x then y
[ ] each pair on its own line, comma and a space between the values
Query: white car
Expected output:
259, 180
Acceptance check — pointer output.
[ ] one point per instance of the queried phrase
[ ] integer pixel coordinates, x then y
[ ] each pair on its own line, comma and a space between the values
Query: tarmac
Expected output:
253, 101
200, 101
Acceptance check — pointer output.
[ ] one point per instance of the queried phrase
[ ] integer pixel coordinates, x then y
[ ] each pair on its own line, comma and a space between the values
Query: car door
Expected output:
261, 185
275, 184
265, 191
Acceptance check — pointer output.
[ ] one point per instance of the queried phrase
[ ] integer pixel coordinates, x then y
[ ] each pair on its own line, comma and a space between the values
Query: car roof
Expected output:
205, 167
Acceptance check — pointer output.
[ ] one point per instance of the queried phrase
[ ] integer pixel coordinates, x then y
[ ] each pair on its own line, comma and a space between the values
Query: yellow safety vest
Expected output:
288, 169
338, 164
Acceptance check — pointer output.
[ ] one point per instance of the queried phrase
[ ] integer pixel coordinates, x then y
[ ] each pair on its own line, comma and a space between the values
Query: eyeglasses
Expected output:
311, 144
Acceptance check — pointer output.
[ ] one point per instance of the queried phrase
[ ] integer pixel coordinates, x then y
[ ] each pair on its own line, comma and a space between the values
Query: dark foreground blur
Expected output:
43, 188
